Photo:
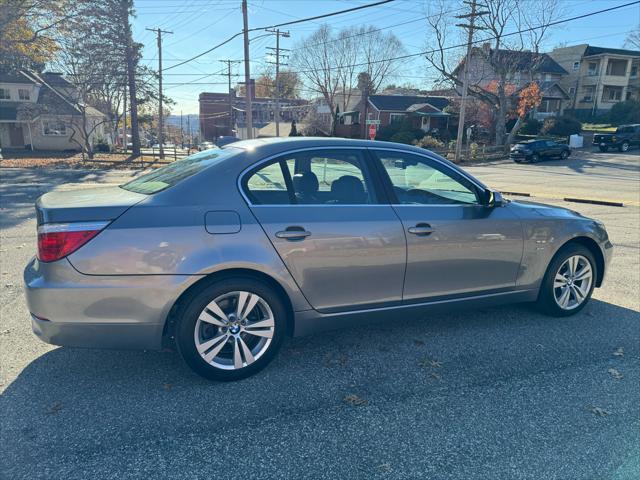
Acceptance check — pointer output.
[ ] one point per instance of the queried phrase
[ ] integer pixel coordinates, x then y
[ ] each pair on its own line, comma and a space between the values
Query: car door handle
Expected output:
293, 233
421, 229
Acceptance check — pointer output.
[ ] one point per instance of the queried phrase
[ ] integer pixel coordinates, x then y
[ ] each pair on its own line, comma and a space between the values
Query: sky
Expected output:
197, 25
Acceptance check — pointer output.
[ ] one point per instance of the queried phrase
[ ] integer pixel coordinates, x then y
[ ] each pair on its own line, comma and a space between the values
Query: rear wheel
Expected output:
569, 281
624, 147
535, 158
564, 154
231, 329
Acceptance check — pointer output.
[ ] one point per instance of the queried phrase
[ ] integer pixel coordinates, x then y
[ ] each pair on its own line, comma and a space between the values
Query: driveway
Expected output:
500, 393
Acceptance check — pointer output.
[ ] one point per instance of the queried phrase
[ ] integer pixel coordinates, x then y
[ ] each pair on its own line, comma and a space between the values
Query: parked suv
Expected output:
534, 150
623, 139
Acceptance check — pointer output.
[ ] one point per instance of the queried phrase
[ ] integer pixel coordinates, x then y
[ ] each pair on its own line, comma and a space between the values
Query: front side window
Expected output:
54, 128
419, 180
318, 177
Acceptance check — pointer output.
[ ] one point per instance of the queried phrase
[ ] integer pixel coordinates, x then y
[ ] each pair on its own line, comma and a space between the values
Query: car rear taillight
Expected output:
57, 240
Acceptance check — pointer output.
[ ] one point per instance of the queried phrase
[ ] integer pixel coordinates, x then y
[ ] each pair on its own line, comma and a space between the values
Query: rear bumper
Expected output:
113, 311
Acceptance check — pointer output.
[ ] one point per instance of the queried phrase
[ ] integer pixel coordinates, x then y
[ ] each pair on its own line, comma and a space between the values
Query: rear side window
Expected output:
170, 175
318, 177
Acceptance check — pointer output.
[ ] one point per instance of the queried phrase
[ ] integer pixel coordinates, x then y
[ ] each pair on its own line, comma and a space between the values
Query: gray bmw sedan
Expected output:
228, 251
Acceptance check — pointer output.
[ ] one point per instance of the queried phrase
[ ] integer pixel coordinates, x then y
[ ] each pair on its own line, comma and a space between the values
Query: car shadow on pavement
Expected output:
72, 402
580, 163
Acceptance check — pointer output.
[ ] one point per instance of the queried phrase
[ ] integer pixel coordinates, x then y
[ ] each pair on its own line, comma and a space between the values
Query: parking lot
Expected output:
493, 393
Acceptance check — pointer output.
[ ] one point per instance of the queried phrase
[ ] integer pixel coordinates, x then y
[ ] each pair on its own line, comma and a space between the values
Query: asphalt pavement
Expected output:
495, 393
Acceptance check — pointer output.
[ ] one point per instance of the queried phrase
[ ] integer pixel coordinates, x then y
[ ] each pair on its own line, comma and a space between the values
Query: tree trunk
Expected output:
131, 77
501, 117
514, 131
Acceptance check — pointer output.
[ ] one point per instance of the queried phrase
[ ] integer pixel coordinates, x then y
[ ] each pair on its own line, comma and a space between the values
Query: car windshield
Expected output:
170, 175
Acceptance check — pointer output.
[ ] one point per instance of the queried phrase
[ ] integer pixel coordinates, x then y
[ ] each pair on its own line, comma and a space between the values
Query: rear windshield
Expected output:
170, 175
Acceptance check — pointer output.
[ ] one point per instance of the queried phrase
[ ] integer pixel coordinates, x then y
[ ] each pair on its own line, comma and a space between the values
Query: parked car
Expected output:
165, 145
206, 146
226, 252
532, 151
625, 137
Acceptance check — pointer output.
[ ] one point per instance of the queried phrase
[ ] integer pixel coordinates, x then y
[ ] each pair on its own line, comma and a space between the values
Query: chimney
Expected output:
486, 48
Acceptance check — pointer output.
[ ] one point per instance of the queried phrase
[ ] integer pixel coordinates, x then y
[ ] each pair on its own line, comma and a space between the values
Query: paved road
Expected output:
501, 393
593, 175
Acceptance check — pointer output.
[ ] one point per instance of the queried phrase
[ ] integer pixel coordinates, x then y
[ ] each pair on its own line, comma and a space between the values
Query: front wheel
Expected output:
624, 147
535, 158
568, 284
564, 154
231, 329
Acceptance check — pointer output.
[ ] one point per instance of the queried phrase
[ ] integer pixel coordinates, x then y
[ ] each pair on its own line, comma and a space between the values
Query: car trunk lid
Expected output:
85, 204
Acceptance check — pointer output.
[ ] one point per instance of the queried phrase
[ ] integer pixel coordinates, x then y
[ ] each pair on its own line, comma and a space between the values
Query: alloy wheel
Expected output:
572, 282
234, 330
625, 147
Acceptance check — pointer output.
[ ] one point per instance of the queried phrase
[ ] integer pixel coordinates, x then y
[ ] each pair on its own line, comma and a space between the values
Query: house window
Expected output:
396, 117
576, 65
611, 94
593, 68
589, 90
634, 71
617, 68
572, 90
23, 94
5, 94
54, 128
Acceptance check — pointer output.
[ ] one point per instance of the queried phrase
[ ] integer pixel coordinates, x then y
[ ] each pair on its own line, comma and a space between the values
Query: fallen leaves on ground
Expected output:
615, 373
429, 363
55, 408
385, 467
167, 386
335, 359
418, 343
619, 352
355, 400
601, 412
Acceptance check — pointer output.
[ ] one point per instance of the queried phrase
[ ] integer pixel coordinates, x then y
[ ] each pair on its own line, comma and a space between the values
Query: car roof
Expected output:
272, 146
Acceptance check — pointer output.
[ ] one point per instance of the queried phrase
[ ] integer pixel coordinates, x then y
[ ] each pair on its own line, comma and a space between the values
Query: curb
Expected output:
594, 202
519, 194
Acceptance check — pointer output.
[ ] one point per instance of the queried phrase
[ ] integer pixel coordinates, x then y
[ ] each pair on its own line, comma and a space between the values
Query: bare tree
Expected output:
505, 62
633, 39
330, 63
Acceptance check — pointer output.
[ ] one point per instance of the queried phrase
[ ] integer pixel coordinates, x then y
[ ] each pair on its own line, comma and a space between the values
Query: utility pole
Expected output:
181, 132
247, 72
229, 63
277, 63
159, 33
471, 28
189, 129
124, 126
126, 5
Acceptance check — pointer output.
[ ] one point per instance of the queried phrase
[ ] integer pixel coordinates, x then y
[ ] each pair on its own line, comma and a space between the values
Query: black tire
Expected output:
564, 154
193, 307
624, 147
604, 149
517, 160
546, 300
535, 158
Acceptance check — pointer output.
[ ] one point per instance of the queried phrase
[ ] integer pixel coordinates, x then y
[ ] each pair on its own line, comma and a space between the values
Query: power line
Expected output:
340, 12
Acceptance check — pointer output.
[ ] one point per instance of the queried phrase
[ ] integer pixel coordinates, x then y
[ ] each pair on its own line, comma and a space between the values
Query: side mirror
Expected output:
400, 164
494, 198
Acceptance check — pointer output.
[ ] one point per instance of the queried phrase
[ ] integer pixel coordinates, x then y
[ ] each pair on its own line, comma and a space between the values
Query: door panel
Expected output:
455, 244
353, 256
324, 216
472, 248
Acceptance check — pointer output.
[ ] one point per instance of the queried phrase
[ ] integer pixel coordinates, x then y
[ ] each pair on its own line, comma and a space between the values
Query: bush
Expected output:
101, 145
388, 131
531, 127
428, 142
561, 126
624, 112
403, 137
